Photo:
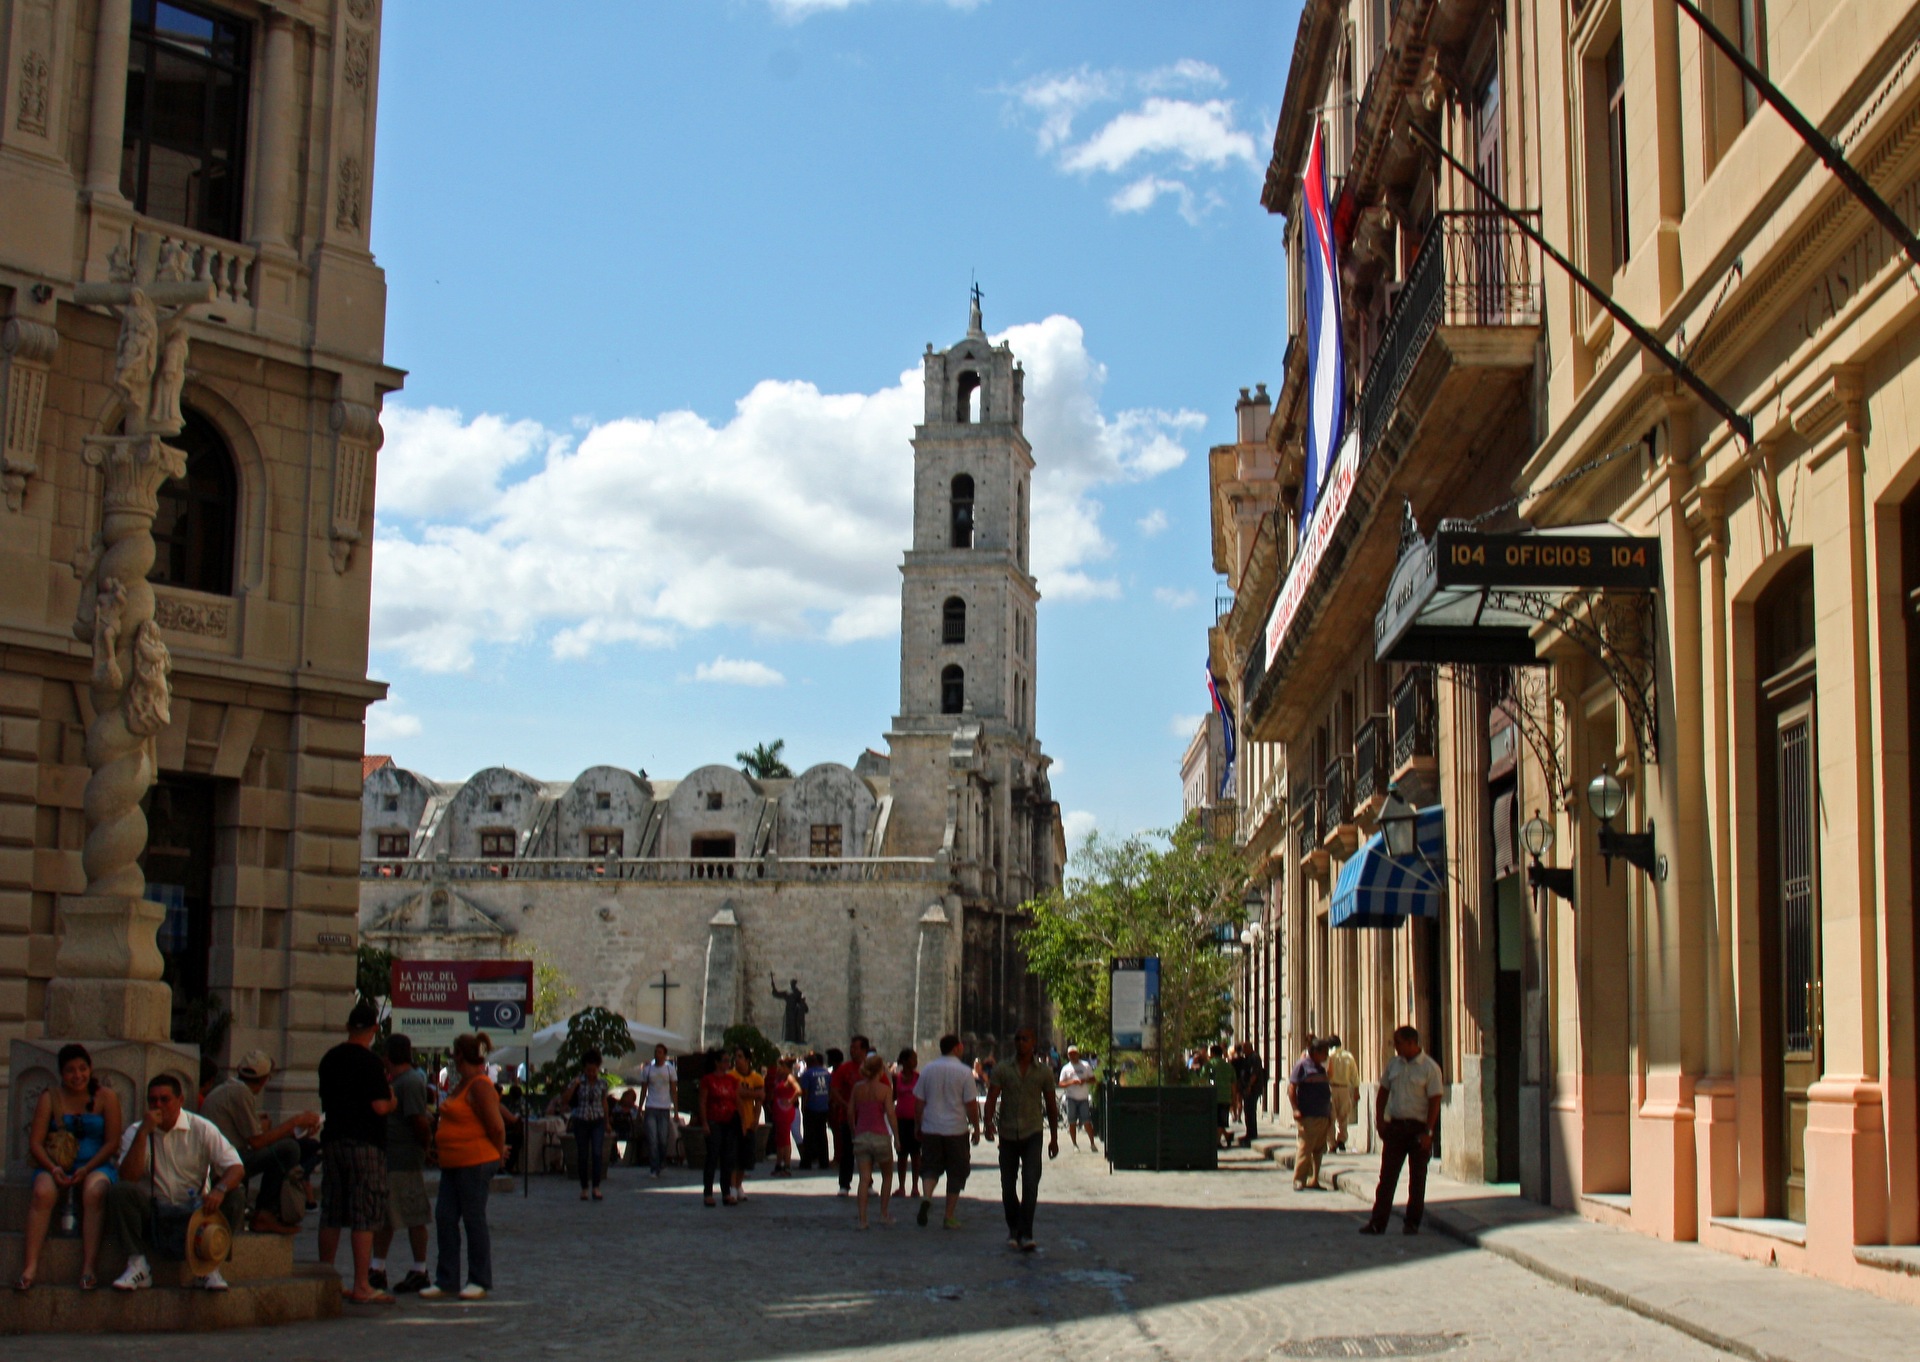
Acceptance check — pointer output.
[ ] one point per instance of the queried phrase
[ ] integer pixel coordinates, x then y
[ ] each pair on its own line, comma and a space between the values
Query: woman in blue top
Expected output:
90, 1113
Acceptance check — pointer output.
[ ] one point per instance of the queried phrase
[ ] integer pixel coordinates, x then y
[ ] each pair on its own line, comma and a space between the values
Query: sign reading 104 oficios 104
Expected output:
1135, 1003
1462, 558
436, 1000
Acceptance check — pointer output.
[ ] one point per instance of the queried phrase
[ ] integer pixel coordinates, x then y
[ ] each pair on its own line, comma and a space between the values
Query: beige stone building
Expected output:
888, 892
1713, 1040
184, 209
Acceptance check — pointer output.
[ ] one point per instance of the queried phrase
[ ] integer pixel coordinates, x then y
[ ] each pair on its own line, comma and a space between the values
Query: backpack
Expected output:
296, 1197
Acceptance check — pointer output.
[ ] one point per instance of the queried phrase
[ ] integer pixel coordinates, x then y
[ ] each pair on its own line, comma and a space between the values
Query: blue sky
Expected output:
661, 275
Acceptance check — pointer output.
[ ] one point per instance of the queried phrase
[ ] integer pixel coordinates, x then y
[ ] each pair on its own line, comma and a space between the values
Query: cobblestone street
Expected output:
1224, 1265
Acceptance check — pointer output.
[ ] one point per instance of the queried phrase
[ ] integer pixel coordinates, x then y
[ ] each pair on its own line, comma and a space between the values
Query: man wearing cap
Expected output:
356, 1098
270, 1151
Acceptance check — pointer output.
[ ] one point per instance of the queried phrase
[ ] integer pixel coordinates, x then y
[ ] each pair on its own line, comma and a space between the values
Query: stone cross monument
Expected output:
107, 991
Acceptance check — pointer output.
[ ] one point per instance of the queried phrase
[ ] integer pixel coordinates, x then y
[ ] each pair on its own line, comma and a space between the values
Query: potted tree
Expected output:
1173, 895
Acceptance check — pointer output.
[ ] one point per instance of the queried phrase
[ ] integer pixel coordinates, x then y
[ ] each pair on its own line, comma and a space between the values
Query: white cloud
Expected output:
1184, 726
1180, 123
1176, 600
1153, 523
1079, 825
734, 671
789, 518
1193, 134
388, 720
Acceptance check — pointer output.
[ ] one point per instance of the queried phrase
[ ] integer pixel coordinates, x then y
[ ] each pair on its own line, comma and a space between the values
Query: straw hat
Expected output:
209, 1241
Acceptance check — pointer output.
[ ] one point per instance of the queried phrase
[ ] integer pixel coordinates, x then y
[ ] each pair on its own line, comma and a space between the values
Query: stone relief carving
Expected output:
26, 357
358, 62
35, 70
360, 9
357, 434
347, 210
149, 701
203, 618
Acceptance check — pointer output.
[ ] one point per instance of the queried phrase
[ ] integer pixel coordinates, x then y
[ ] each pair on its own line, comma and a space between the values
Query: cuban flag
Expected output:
1226, 733
1326, 348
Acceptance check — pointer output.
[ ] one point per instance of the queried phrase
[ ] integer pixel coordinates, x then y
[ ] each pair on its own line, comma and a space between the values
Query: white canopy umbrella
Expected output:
543, 1045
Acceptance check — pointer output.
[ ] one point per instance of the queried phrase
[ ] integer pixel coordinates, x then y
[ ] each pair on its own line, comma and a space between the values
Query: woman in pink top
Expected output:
906, 1108
874, 1134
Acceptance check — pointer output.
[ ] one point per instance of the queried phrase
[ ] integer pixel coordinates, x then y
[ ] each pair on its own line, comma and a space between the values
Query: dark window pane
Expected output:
193, 532
186, 117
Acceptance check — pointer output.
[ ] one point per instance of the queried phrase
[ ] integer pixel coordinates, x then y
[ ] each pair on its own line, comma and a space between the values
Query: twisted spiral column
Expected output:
108, 967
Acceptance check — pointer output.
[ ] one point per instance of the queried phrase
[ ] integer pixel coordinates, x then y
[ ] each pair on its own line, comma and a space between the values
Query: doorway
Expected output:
178, 866
1789, 876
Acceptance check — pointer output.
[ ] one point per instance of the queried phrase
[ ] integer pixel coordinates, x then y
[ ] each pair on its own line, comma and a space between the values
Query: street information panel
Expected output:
1135, 1003
436, 1000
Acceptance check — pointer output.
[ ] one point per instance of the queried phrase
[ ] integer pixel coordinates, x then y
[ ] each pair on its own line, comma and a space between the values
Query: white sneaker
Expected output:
471, 1292
434, 1293
213, 1281
137, 1277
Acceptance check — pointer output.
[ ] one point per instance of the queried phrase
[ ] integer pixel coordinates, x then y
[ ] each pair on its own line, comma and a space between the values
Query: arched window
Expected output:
953, 690
1020, 522
962, 513
953, 621
966, 403
194, 531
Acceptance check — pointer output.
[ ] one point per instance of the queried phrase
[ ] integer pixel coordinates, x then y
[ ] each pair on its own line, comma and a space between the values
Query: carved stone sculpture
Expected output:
163, 409
137, 353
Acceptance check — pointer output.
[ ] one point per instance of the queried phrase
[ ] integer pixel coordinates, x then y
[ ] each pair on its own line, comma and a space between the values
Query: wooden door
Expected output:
1798, 894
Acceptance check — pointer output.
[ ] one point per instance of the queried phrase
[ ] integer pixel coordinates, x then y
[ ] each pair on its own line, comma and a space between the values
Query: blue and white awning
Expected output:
1375, 890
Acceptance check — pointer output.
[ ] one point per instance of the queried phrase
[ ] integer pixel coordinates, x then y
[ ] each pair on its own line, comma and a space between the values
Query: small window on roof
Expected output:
603, 800
715, 799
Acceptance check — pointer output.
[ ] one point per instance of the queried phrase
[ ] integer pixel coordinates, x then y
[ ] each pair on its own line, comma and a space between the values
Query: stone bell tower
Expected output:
968, 776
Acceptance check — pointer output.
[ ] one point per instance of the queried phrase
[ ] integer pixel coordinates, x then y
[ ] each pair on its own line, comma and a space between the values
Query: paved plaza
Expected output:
1225, 1265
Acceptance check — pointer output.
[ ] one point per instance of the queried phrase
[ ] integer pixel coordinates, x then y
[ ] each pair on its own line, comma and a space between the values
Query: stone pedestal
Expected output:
107, 971
1846, 1167
126, 1066
720, 999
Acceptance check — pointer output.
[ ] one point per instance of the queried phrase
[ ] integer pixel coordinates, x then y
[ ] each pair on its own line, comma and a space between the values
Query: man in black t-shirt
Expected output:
355, 1099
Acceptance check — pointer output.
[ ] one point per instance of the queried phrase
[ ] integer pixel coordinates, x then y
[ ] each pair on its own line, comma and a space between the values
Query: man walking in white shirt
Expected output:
949, 1127
1076, 1091
659, 1078
1408, 1115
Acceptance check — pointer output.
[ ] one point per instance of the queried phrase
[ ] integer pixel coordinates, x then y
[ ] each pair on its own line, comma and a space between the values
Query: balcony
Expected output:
1415, 728
1337, 831
1372, 750
1443, 421
1306, 832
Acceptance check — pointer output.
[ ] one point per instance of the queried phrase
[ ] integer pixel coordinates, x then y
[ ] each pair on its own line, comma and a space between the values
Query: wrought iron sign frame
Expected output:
1528, 700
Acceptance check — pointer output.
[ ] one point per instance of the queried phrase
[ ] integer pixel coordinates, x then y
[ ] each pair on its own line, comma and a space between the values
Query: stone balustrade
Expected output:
665, 869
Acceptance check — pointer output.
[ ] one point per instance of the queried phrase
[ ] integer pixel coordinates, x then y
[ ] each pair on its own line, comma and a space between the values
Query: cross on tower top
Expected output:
974, 327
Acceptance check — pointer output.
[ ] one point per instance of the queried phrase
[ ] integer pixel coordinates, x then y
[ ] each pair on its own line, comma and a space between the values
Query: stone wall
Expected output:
855, 948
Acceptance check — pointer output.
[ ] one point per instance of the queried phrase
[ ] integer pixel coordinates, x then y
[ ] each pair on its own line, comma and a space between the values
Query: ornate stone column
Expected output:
107, 124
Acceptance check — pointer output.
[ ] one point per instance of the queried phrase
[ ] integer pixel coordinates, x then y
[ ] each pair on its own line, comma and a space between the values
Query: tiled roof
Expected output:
371, 763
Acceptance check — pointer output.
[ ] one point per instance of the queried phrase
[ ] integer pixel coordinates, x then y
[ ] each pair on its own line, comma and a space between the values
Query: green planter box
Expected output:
1179, 1120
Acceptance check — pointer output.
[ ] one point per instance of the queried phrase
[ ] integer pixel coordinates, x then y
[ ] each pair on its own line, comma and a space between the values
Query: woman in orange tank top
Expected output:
471, 1142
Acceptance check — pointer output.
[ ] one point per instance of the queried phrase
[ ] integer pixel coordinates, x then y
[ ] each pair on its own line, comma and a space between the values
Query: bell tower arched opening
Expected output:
953, 690
961, 515
966, 398
953, 621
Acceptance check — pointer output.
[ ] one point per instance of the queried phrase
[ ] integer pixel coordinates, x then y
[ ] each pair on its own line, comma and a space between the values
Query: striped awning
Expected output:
1375, 890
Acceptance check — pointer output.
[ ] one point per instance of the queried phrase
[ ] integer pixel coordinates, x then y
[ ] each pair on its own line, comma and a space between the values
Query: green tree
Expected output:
373, 974
762, 761
1167, 894
761, 1052
591, 1028
552, 990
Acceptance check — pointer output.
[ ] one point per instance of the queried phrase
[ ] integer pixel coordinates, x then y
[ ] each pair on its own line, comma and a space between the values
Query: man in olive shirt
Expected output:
272, 1152
1022, 1092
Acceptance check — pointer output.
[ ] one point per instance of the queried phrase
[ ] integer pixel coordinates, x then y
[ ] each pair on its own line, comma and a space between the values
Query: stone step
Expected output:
311, 1292
255, 1257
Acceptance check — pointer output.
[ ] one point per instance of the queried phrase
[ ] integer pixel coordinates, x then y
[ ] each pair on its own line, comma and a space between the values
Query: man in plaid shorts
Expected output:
355, 1100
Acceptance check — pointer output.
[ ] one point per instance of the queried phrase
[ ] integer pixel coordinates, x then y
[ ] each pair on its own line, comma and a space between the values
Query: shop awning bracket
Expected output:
1616, 630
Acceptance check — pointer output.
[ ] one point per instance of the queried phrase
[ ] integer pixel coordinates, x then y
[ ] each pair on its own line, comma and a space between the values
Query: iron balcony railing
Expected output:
1222, 603
1473, 269
1336, 790
1306, 820
1371, 742
1413, 717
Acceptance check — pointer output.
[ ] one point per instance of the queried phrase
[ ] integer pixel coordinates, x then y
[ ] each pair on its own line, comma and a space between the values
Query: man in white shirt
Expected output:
1408, 1115
949, 1127
1076, 1090
165, 1161
660, 1079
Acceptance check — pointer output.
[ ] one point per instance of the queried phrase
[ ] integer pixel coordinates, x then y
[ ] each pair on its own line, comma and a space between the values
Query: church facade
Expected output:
885, 894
